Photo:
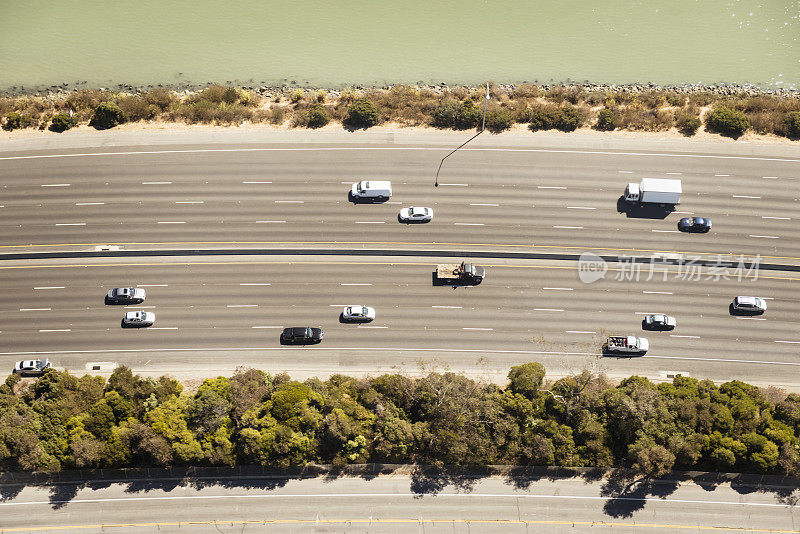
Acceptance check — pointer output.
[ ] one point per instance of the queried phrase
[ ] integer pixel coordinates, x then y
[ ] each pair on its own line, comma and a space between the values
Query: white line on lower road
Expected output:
343, 284
722, 175
70, 224
549, 187
752, 318
644, 313
559, 288
675, 173
151, 285
89, 203
257, 182
766, 236
242, 306
579, 332
625, 172
659, 292
468, 224
449, 307
368, 326
270, 221
290, 202
569, 227
156, 183
34, 309
684, 212
57, 330
482, 204
190, 202
50, 287
171, 222
580, 208
770, 177
666, 231
476, 328
548, 309
692, 337
55, 185
744, 196
254, 284
266, 327
777, 341
163, 328
457, 185
778, 218
370, 222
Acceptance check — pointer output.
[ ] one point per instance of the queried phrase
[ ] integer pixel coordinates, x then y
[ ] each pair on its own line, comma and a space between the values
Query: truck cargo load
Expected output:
654, 191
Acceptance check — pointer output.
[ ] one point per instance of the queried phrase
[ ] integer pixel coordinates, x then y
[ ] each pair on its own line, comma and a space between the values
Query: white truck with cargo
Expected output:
626, 345
654, 191
460, 273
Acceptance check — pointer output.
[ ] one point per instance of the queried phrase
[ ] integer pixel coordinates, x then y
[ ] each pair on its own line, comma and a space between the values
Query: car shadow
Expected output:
634, 210
646, 327
359, 200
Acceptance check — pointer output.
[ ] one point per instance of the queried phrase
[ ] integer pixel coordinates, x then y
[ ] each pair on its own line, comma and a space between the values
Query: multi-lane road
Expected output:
506, 195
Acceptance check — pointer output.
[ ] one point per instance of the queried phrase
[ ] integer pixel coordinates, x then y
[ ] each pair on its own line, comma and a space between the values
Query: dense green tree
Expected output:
107, 115
362, 114
526, 379
731, 122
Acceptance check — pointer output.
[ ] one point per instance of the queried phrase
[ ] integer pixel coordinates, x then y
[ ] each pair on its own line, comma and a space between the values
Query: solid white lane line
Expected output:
659, 292
344, 284
370, 222
482, 204
579, 332
348, 183
457, 185
770, 177
644, 313
156, 183
57, 330
744, 196
722, 175
171, 222
254, 284
579, 208
290, 202
255, 182
549, 187
765, 236
625, 172
70, 224
139, 307
266, 327
777, 341
151, 285
270, 221
449, 307
163, 328
752, 318
393, 202
675, 173
559, 288
35, 309
89, 203
469, 224
242, 306
55, 185
778, 218
50, 287
190, 202
692, 337
548, 309
666, 231
476, 328
369, 326
684, 212
569, 227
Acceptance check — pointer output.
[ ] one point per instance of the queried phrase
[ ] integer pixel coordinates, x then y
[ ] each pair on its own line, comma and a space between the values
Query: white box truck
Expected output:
372, 189
654, 191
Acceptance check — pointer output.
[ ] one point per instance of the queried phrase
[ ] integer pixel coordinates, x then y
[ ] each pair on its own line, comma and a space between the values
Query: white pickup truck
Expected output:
626, 345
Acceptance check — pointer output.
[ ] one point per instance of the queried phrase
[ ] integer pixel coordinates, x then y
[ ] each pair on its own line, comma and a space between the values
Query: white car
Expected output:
416, 214
358, 313
750, 304
139, 318
659, 321
126, 295
32, 367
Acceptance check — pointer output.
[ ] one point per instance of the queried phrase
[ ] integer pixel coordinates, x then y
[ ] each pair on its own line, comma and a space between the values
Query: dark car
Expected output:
694, 224
126, 295
301, 335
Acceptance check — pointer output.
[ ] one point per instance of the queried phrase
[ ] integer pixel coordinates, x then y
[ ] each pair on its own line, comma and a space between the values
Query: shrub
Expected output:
498, 119
544, 118
607, 120
792, 122
727, 121
107, 115
296, 96
637, 117
15, 121
467, 116
137, 108
62, 122
362, 114
321, 96
444, 116
526, 90
317, 116
569, 119
687, 123
675, 99
161, 97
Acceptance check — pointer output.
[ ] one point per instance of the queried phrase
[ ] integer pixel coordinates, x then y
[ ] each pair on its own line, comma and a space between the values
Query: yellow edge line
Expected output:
389, 243
188, 263
499, 522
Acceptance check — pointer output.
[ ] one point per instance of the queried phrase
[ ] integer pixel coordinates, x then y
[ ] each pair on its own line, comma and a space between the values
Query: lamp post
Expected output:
483, 127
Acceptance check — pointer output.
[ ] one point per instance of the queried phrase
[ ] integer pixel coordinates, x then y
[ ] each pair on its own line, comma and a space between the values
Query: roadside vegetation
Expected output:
60, 421
565, 108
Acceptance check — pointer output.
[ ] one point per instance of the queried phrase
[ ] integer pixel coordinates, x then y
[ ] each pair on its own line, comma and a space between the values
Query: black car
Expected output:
694, 224
301, 335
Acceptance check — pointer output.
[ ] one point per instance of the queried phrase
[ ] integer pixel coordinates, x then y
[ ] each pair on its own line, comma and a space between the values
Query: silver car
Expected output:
126, 295
139, 318
750, 304
32, 367
358, 313
659, 321
416, 214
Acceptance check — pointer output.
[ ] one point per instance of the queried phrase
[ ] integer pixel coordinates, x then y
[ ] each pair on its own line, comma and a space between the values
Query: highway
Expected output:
505, 195
396, 503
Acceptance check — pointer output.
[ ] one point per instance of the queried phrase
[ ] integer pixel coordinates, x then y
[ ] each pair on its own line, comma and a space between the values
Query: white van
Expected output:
372, 189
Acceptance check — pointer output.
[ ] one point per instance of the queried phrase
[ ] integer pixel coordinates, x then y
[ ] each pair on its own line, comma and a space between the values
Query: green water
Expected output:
324, 43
